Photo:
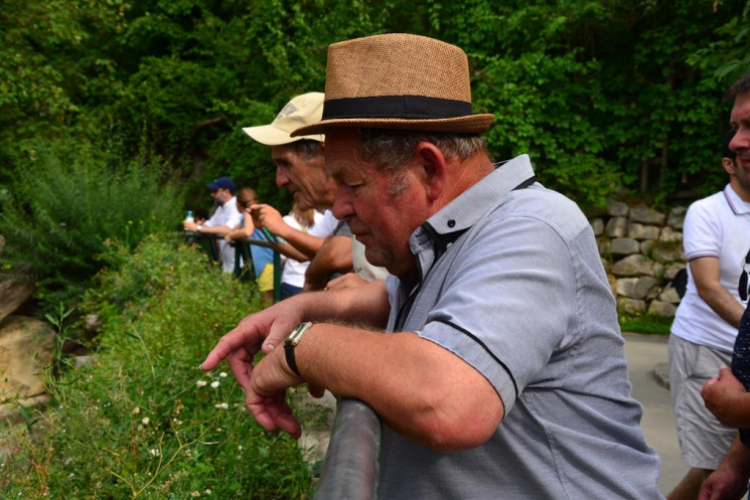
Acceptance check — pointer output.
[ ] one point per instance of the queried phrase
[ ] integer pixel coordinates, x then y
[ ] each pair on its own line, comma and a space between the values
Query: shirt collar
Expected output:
737, 204
433, 237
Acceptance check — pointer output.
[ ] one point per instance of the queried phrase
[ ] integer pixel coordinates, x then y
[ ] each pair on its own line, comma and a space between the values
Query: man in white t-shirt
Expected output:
716, 234
224, 219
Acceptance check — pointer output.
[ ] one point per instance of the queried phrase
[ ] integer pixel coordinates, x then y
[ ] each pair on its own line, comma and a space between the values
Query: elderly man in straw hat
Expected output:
493, 355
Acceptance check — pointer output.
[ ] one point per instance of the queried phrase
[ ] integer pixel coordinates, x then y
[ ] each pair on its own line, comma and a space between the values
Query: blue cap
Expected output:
222, 183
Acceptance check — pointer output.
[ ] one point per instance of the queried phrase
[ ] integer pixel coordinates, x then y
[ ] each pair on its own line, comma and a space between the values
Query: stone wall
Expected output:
641, 249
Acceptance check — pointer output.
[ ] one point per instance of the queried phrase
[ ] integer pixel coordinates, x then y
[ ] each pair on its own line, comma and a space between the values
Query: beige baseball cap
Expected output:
303, 110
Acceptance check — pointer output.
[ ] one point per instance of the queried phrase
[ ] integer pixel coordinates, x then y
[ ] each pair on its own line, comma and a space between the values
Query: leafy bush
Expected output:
144, 421
67, 201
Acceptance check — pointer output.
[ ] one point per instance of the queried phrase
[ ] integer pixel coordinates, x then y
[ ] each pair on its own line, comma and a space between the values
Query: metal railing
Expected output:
351, 465
242, 251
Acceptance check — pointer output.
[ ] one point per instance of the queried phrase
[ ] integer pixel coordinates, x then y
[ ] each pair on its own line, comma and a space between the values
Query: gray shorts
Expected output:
703, 440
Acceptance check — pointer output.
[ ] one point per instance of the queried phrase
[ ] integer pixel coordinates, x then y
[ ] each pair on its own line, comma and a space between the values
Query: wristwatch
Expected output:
198, 228
293, 341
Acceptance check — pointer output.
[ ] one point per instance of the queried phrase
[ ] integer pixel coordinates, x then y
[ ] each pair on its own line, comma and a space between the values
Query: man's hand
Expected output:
349, 280
729, 480
724, 485
263, 331
265, 396
726, 398
189, 226
270, 218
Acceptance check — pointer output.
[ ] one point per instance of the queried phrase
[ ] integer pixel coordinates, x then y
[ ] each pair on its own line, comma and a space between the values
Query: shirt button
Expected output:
451, 223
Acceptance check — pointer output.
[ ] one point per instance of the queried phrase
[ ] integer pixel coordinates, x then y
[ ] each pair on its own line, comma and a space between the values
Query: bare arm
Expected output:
706, 271
367, 305
729, 480
244, 230
270, 218
420, 389
335, 256
290, 251
221, 231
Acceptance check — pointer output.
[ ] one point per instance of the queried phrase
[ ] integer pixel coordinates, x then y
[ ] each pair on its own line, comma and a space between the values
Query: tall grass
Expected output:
67, 199
144, 421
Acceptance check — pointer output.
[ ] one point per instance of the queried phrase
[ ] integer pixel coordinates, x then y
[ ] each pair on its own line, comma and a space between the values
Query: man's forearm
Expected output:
215, 231
300, 240
706, 273
419, 389
335, 256
722, 303
289, 251
738, 456
366, 305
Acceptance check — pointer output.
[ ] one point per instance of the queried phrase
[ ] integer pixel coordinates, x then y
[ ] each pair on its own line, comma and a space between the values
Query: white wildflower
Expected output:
207, 492
223, 374
145, 420
136, 410
195, 494
215, 384
222, 406
201, 383
155, 452
239, 447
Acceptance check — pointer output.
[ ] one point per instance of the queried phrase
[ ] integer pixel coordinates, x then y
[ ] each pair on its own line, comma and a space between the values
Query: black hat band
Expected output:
410, 107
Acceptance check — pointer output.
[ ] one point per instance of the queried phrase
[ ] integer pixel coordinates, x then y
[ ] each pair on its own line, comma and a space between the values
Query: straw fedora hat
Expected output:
398, 81
305, 109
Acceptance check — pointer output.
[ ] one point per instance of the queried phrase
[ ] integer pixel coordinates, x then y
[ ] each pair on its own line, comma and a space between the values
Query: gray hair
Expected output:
389, 150
307, 149
739, 87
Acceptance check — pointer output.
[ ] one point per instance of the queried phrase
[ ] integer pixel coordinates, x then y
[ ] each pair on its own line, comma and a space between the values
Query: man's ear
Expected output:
728, 165
433, 171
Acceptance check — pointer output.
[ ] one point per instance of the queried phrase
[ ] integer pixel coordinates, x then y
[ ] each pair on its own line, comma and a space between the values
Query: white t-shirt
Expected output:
717, 226
325, 227
226, 215
294, 270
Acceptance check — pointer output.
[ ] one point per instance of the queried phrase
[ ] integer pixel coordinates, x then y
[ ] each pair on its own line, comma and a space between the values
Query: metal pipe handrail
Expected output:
213, 254
350, 470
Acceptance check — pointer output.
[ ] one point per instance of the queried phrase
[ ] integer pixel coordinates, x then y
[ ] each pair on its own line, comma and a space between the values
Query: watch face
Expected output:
297, 333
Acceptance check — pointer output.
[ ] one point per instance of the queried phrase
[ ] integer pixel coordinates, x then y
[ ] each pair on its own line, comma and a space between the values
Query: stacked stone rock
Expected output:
26, 347
642, 252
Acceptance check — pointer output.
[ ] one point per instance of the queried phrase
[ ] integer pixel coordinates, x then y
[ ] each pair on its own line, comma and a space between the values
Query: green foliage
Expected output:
600, 94
645, 323
144, 421
67, 201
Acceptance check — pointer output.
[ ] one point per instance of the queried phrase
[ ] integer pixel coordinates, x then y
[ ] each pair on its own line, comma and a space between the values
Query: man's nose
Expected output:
281, 179
342, 204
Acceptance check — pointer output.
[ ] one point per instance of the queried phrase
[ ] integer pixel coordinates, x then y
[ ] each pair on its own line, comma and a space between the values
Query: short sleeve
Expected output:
702, 233
509, 302
325, 227
234, 218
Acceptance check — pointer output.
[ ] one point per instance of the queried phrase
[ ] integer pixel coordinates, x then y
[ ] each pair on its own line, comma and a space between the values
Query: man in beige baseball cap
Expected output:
496, 365
300, 168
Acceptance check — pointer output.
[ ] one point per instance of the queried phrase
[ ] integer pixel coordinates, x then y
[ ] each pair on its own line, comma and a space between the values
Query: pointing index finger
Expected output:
227, 344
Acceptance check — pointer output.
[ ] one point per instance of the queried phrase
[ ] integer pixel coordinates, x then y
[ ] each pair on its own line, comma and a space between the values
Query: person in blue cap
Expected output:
224, 218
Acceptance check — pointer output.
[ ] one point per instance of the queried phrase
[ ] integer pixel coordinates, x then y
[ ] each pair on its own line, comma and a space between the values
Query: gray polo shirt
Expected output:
511, 281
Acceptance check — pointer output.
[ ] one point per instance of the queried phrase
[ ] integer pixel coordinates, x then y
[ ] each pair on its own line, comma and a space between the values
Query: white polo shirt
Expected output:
226, 215
717, 226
